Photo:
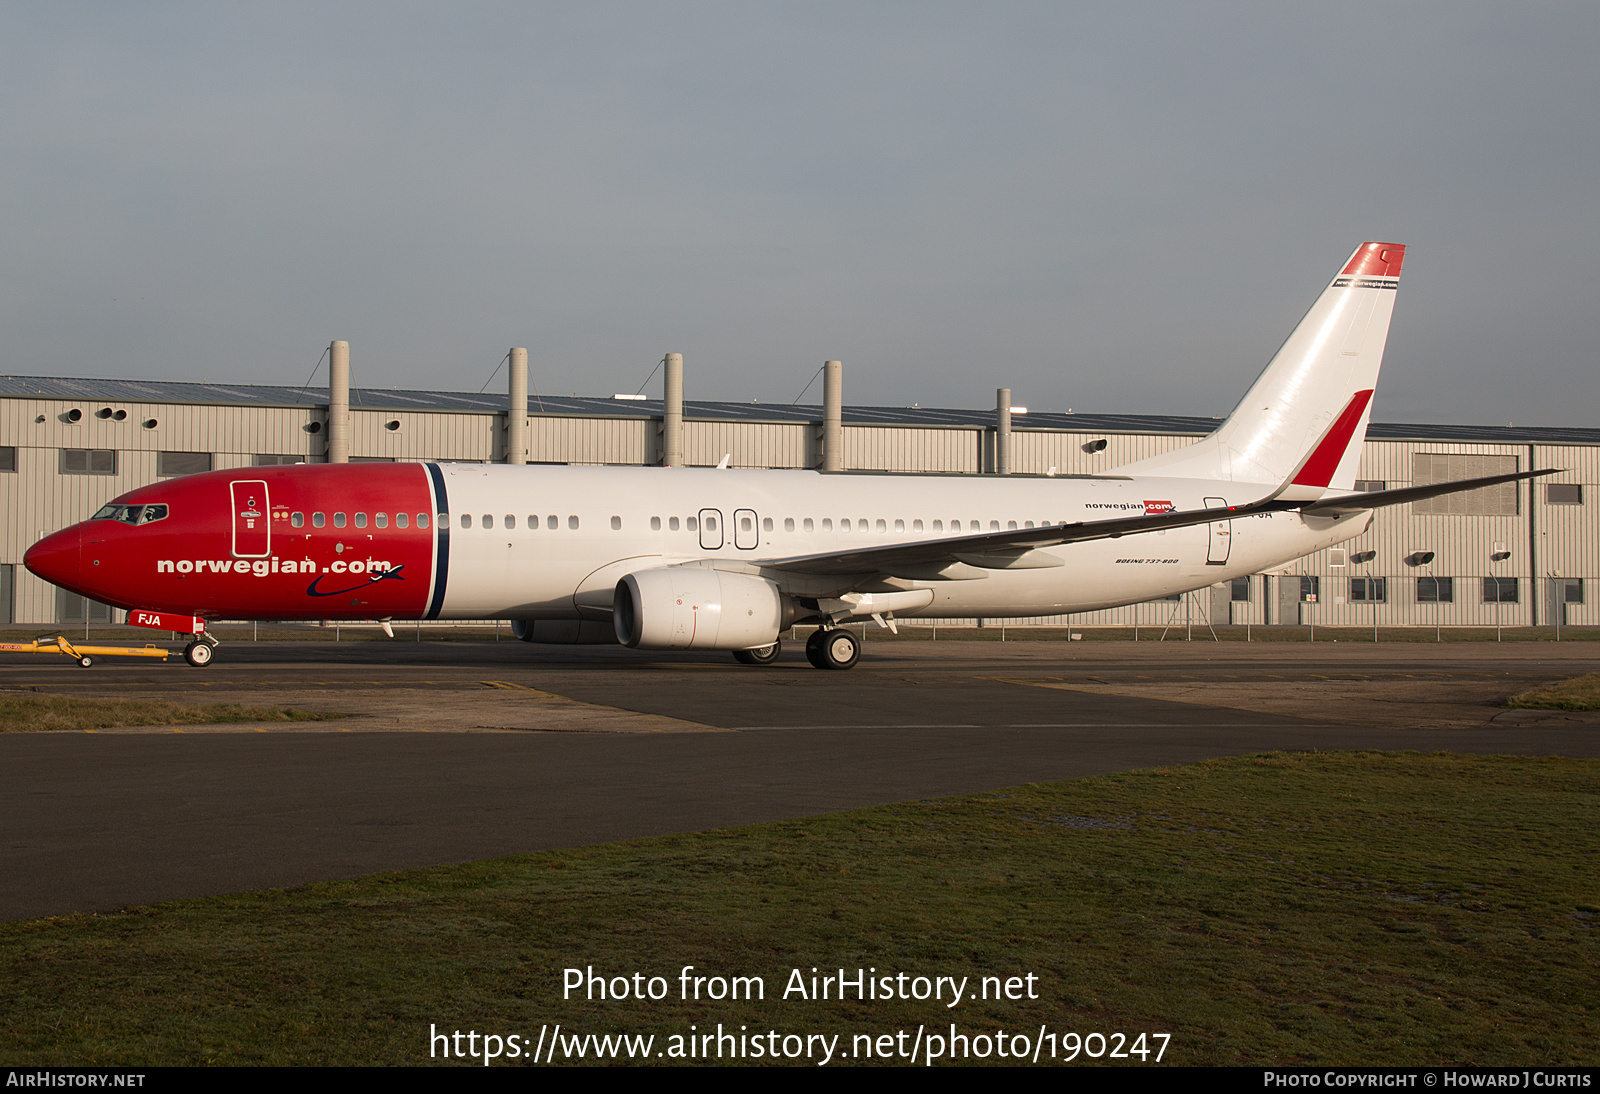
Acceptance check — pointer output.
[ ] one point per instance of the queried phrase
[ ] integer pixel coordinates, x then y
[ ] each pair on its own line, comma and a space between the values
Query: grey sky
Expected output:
1113, 207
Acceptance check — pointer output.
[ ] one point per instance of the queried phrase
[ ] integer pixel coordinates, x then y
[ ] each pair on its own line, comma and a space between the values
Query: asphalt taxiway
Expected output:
462, 751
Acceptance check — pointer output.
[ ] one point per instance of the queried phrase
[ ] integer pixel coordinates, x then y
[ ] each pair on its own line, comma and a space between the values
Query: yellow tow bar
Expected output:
84, 655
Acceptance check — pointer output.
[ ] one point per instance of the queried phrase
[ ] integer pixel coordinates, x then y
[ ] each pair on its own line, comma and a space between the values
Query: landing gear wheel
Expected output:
761, 655
199, 654
835, 648
86, 660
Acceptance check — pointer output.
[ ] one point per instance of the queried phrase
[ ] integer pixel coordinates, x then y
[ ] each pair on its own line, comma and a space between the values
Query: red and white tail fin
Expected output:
1301, 425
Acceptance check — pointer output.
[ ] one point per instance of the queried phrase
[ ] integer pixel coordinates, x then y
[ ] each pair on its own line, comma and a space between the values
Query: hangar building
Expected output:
1516, 555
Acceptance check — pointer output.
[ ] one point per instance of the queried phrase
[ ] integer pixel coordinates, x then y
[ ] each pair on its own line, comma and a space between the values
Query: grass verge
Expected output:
1582, 693
29, 713
1331, 908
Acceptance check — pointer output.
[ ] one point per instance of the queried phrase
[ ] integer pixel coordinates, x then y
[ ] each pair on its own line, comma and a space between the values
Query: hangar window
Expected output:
1369, 485
1368, 590
1310, 589
273, 459
1499, 590
1239, 593
1489, 501
380, 520
1571, 589
655, 524
172, 464
1436, 590
361, 520
572, 522
1564, 493
88, 461
318, 520
8, 457
338, 520
616, 524
297, 520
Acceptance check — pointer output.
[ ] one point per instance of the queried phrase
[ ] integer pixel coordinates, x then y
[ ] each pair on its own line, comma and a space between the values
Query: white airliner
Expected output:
702, 558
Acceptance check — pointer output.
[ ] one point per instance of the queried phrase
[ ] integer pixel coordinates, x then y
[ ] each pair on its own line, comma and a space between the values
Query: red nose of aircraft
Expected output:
56, 557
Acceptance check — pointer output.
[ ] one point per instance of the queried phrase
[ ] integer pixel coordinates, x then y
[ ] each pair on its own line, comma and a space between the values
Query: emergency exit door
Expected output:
252, 518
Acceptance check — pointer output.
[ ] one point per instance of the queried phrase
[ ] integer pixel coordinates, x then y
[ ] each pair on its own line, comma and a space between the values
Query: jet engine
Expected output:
692, 608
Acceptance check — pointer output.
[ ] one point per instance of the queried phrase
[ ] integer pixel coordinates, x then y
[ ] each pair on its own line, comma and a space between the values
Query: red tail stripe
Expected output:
1324, 461
1376, 260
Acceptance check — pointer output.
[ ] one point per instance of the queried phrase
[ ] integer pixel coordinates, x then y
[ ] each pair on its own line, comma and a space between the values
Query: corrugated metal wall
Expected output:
1545, 543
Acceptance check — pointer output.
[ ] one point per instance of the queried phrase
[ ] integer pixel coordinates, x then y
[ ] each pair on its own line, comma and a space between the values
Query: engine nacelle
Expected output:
692, 608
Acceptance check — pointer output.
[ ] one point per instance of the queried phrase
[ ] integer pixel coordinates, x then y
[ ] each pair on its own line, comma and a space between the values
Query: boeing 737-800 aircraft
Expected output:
701, 558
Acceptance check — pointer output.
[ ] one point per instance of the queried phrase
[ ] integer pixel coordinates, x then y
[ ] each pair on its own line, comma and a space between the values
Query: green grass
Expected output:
1582, 693
30, 713
1333, 908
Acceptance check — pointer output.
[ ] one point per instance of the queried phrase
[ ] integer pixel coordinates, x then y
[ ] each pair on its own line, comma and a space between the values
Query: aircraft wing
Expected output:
1018, 548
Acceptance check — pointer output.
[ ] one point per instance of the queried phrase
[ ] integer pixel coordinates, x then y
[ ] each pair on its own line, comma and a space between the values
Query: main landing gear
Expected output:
833, 648
827, 648
761, 655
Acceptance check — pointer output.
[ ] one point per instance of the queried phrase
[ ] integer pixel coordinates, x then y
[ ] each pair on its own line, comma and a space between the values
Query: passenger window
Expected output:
381, 520
994, 526
744, 524
297, 520
422, 520
827, 524
1027, 524
318, 520
766, 523
655, 524
466, 520
899, 526
916, 526
488, 520
692, 524
616, 524
938, 526
572, 522
533, 522
552, 522
788, 524
711, 524
806, 525
511, 521
844, 525
361, 520
883, 527
338, 520
1011, 525
400, 521
672, 524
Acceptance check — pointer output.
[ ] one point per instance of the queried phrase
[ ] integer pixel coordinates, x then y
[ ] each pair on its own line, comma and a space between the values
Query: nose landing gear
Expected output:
201, 651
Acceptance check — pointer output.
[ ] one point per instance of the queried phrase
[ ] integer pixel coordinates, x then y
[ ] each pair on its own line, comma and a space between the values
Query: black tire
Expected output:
86, 660
199, 654
761, 655
814, 649
839, 649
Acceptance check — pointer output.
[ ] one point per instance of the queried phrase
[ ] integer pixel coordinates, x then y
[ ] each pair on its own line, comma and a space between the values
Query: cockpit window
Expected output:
132, 514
